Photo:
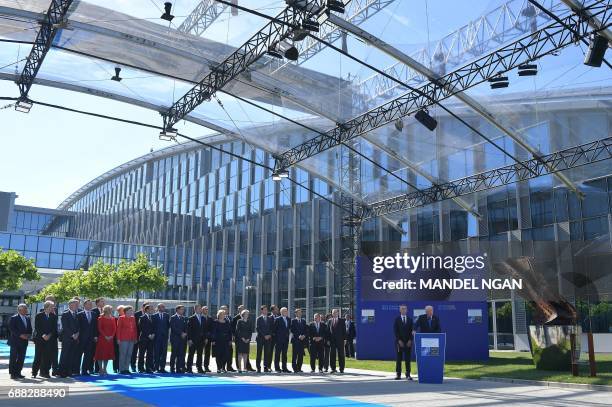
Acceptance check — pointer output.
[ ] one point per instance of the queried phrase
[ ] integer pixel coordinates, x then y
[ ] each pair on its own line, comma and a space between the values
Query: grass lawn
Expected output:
515, 365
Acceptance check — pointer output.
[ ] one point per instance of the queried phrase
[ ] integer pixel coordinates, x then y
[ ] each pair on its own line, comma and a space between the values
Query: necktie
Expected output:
88, 317
199, 321
429, 321
24, 321
403, 319
317, 327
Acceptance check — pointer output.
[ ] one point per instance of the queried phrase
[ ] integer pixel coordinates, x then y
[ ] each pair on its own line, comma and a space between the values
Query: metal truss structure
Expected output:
274, 32
51, 23
502, 24
573, 157
577, 7
205, 13
357, 11
544, 41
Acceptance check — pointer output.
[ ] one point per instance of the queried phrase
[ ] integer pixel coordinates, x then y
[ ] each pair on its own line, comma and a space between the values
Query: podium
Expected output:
430, 351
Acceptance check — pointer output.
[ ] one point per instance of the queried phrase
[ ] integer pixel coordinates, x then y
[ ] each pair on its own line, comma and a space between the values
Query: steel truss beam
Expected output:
205, 13
528, 48
274, 32
496, 28
51, 23
481, 110
357, 11
578, 8
573, 157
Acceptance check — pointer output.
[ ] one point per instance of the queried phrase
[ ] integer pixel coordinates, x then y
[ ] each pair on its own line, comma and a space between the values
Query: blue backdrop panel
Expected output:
466, 339
430, 359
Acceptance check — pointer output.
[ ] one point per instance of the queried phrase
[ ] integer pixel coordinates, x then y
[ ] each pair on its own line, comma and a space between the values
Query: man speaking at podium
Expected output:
428, 323
402, 328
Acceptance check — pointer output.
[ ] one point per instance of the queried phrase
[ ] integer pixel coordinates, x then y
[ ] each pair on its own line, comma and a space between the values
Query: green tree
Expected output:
66, 287
99, 281
138, 275
15, 269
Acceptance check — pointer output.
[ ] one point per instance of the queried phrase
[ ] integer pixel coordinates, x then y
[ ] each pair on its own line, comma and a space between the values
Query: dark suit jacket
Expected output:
162, 325
87, 330
70, 325
234, 323
423, 326
137, 316
196, 330
323, 333
146, 326
264, 326
281, 330
45, 326
298, 328
337, 333
402, 332
209, 325
16, 328
351, 333
178, 325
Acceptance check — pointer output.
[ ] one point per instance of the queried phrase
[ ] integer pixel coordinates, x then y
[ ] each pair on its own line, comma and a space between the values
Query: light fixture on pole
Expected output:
273, 52
167, 12
168, 135
426, 120
335, 5
499, 82
289, 50
597, 51
311, 25
23, 105
279, 175
117, 77
528, 70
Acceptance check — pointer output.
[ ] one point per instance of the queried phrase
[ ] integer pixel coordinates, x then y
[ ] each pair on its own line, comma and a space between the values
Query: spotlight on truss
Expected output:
167, 12
426, 120
289, 50
311, 25
335, 5
168, 135
23, 106
279, 175
117, 77
528, 70
499, 82
273, 52
597, 50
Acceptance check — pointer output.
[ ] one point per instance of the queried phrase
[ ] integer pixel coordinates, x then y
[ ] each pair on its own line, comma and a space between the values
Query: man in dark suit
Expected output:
299, 331
88, 336
146, 340
337, 334
263, 326
100, 302
274, 313
208, 329
196, 337
137, 315
317, 335
402, 329
70, 340
178, 340
351, 334
282, 327
45, 340
428, 323
230, 356
161, 321
20, 330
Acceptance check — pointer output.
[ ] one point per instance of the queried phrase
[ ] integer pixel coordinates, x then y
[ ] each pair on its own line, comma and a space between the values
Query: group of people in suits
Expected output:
91, 335
404, 329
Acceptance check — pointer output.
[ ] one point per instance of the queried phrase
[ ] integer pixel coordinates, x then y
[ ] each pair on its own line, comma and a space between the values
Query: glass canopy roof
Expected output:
278, 104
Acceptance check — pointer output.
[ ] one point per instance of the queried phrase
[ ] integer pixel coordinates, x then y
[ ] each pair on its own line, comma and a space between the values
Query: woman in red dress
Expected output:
105, 348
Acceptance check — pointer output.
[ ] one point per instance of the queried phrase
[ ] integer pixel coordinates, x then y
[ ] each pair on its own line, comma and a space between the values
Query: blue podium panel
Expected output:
430, 350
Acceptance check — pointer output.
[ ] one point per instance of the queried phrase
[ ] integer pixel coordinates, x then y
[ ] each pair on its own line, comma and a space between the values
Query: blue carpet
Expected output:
170, 390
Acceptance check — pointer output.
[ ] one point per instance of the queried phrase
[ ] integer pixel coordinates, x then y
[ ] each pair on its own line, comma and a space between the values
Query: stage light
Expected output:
289, 50
311, 25
299, 34
276, 177
399, 125
23, 106
117, 77
335, 5
274, 53
167, 9
499, 82
597, 51
426, 120
284, 174
279, 175
528, 70
168, 135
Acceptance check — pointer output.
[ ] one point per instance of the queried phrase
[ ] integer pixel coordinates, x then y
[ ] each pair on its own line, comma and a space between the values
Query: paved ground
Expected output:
353, 388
